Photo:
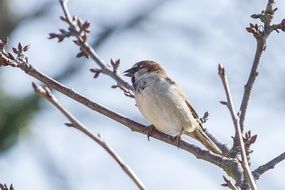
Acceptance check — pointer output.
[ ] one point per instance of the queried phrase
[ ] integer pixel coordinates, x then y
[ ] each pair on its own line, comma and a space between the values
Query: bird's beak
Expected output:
130, 72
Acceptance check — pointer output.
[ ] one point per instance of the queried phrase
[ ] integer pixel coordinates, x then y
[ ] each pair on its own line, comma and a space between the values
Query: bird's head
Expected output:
144, 67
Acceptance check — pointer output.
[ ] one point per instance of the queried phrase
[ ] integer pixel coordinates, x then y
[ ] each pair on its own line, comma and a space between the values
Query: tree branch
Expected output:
228, 183
261, 34
76, 30
269, 165
46, 93
79, 30
7, 59
235, 118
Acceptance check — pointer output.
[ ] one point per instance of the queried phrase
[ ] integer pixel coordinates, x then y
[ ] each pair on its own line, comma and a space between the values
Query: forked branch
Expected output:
46, 93
79, 30
20, 61
260, 33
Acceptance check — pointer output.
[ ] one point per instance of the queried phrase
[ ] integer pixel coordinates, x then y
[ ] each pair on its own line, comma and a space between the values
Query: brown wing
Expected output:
194, 113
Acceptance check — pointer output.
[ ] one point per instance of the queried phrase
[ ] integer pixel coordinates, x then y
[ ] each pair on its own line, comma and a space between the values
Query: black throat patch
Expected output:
133, 80
139, 85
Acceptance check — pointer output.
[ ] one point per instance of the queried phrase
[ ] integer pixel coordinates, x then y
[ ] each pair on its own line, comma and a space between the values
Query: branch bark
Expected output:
228, 183
110, 70
46, 93
235, 118
227, 164
269, 165
76, 29
261, 37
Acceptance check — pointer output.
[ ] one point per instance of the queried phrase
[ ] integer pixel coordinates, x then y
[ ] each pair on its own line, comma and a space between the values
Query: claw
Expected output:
177, 140
148, 131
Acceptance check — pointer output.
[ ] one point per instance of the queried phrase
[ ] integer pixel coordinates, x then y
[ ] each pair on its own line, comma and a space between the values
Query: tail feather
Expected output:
201, 136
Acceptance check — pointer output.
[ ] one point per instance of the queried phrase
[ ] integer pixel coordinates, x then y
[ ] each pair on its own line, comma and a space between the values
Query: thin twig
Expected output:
250, 82
21, 61
261, 37
46, 93
269, 165
235, 119
86, 49
228, 183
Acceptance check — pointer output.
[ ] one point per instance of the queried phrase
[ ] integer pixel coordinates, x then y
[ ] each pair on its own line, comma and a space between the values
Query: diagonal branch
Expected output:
235, 118
249, 84
79, 30
227, 164
107, 69
134, 126
46, 93
269, 165
261, 36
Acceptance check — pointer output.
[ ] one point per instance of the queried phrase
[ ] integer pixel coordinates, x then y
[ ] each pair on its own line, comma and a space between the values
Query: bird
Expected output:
163, 103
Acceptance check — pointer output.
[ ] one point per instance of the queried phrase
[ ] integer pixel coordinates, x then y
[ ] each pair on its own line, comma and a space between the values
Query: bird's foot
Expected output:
177, 139
148, 130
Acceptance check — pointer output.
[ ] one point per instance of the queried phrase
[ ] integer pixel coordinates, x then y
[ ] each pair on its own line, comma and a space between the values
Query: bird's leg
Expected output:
177, 139
148, 130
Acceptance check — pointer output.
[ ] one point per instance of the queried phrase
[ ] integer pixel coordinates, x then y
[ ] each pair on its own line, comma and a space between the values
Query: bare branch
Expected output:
79, 30
134, 126
228, 183
235, 119
269, 165
107, 69
228, 164
46, 93
261, 34
250, 82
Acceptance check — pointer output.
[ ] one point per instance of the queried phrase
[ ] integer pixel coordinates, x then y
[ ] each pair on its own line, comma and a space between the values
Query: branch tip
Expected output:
221, 70
228, 183
224, 103
69, 124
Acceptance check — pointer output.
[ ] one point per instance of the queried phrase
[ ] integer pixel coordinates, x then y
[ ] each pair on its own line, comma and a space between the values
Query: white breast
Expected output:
164, 107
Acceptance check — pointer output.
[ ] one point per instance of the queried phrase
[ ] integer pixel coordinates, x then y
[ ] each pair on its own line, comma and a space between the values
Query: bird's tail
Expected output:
200, 135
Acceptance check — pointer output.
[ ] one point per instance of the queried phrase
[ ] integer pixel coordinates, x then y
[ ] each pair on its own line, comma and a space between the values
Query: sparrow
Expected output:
163, 103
